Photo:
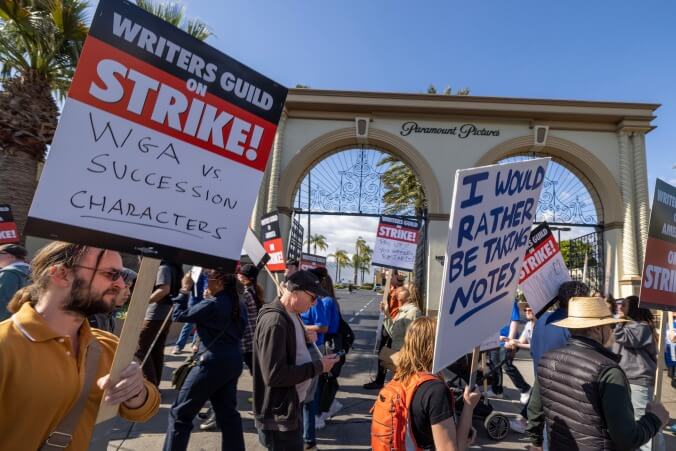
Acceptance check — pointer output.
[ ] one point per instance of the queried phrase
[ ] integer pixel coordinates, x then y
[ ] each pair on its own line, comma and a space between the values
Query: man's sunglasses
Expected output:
112, 274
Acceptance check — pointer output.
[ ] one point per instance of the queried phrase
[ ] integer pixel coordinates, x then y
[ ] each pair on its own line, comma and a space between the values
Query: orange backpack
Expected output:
390, 413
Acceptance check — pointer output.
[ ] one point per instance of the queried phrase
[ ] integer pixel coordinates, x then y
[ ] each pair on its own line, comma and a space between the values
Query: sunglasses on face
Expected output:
112, 274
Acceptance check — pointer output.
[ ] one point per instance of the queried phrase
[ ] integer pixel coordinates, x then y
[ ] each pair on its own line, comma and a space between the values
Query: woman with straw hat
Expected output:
585, 393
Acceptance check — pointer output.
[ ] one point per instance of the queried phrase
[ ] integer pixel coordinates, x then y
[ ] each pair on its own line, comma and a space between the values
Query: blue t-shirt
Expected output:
547, 336
316, 316
516, 316
332, 315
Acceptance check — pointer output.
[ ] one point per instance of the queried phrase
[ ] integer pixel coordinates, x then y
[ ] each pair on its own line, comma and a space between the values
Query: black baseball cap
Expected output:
15, 250
305, 281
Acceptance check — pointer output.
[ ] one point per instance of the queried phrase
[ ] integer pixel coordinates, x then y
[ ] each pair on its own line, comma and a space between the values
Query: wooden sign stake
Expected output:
131, 330
274, 279
661, 343
473, 367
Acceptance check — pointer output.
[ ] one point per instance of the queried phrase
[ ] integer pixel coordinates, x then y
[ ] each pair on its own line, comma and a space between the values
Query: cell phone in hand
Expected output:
340, 353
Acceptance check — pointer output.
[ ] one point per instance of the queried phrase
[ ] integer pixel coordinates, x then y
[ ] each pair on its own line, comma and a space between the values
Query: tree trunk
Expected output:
28, 117
18, 171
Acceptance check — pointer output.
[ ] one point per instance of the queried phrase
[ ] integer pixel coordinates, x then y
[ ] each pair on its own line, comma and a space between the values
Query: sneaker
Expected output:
490, 394
209, 424
518, 425
372, 385
320, 421
312, 446
335, 408
525, 396
177, 351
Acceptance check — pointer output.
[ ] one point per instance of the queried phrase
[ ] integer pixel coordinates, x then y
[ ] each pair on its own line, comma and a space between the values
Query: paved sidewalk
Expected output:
349, 430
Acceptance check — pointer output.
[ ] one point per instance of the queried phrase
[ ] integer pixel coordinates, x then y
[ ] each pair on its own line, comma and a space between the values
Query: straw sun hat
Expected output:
584, 312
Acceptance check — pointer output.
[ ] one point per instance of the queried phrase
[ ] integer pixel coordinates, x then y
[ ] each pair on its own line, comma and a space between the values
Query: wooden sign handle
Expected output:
386, 290
274, 279
131, 330
661, 344
473, 367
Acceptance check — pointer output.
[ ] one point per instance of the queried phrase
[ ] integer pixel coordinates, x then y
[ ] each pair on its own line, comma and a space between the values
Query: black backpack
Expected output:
346, 334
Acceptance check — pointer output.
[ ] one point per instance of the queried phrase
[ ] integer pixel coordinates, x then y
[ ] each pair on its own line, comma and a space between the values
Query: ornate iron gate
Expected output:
584, 259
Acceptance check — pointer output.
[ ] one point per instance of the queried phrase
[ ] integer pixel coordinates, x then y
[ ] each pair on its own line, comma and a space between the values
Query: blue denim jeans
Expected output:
639, 398
309, 412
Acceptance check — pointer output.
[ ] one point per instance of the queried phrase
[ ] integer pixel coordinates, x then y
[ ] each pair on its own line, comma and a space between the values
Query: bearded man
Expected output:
54, 368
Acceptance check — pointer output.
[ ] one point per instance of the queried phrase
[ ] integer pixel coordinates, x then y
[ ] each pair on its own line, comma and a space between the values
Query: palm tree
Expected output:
174, 13
357, 260
342, 260
403, 190
40, 42
366, 255
317, 241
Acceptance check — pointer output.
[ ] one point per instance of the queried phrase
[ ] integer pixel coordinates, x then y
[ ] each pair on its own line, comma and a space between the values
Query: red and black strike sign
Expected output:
161, 145
542, 247
396, 243
8, 230
272, 242
658, 284
311, 261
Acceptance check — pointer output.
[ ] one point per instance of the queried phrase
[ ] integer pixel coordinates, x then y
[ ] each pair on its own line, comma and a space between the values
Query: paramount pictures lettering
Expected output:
463, 131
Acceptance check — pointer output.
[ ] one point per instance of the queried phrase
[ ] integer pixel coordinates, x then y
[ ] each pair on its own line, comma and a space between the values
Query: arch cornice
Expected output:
331, 142
604, 188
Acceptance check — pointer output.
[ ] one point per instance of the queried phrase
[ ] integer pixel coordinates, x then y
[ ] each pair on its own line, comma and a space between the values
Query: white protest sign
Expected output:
543, 269
492, 212
254, 249
161, 144
396, 243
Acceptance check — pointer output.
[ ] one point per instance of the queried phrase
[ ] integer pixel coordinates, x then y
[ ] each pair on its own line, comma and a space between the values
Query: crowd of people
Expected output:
594, 366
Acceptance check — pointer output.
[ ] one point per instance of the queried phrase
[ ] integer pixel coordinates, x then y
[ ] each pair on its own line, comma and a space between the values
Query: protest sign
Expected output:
658, 284
492, 211
161, 145
543, 269
311, 261
272, 242
396, 243
253, 249
8, 231
295, 249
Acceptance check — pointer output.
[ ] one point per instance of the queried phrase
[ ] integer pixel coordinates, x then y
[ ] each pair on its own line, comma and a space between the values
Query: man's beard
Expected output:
85, 301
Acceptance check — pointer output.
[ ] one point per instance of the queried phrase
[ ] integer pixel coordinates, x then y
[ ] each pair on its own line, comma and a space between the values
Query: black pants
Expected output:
152, 370
494, 358
282, 440
385, 340
247, 358
214, 379
328, 383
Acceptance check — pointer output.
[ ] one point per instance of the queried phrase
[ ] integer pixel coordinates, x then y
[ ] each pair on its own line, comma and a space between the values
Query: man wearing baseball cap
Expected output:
585, 393
14, 274
282, 366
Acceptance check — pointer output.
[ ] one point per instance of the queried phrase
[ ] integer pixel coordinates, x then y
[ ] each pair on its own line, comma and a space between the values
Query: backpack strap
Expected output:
62, 434
413, 384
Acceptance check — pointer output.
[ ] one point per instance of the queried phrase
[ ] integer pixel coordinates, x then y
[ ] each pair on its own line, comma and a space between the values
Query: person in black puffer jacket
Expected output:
585, 393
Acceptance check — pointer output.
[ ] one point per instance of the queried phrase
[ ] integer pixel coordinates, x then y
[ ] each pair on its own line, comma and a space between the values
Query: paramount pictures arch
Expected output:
601, 143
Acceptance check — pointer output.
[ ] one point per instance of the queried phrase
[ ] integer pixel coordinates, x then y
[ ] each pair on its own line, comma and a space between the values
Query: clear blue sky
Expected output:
600, 50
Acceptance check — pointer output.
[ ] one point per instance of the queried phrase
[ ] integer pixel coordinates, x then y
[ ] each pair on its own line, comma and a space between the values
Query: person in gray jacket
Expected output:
282, 365
14, 274
636, 344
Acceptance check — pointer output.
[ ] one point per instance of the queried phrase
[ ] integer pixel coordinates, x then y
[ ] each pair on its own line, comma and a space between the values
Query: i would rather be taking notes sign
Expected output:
161, 145
492, 212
